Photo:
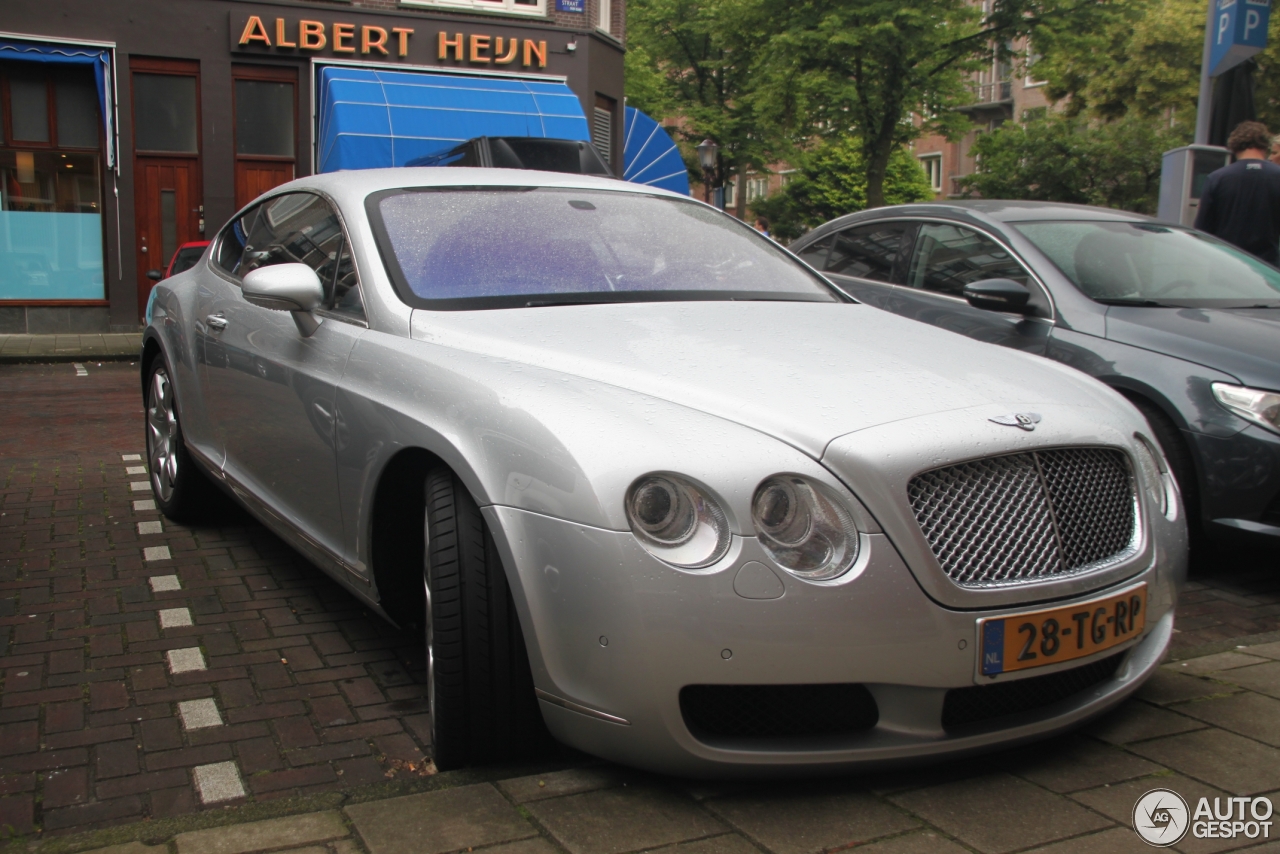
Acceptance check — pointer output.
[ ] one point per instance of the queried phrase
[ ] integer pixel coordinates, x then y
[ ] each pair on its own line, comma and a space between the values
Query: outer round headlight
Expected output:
677, 521
1154, 471
804, 527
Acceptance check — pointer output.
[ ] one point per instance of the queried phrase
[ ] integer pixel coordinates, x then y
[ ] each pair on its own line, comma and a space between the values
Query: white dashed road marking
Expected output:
197, 714
156, 553
140, 485
150, 528
80, 371
128, 458
145, 504
161, 583
186, 660
174, 618
136, 470
218, 782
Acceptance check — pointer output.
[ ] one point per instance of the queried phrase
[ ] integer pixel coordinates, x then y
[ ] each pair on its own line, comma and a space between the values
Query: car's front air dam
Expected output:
613, 630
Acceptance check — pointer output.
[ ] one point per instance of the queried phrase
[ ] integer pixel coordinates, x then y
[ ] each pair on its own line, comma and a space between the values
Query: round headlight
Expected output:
1154, 472
677, 521
804, 527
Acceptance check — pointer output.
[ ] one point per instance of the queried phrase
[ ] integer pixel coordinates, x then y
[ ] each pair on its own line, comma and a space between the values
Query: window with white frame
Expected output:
510, 7
932, 164
757, 188
1029, 79
606, 16
785, 178
731, 193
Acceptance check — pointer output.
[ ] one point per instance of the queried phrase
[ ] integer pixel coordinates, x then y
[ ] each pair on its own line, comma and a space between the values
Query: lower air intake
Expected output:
981, 703
776, 711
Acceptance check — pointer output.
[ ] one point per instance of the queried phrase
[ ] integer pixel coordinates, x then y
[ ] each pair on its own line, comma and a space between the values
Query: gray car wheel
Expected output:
480, 687
180, 488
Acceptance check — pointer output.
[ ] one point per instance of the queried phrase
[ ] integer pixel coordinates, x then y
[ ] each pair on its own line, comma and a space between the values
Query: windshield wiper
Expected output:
1149, 303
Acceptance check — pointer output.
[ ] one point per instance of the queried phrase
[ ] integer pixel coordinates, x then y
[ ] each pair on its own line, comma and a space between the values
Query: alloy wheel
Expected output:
162, 435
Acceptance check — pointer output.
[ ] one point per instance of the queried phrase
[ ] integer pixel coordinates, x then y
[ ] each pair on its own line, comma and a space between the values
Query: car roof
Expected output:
982, 212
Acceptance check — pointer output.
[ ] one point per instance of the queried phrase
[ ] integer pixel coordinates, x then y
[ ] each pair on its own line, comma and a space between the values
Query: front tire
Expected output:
480, 687
181, 490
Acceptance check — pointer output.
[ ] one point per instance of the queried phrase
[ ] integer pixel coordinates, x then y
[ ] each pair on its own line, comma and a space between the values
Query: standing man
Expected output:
1241, 202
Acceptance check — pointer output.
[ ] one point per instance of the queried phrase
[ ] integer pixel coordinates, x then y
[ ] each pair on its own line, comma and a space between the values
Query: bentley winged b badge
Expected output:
1026, 420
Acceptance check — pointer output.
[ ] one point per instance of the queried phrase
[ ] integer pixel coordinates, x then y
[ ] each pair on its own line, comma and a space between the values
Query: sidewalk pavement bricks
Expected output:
83, 347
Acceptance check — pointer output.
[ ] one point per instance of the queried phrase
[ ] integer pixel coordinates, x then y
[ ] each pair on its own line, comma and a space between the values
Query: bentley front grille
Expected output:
1027, 517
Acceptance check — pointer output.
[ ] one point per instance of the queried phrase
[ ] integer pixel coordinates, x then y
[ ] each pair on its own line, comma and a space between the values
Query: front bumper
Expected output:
612, 630
1241, 479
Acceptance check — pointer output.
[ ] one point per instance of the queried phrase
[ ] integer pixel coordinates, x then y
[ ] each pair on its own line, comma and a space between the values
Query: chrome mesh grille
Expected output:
1026, 517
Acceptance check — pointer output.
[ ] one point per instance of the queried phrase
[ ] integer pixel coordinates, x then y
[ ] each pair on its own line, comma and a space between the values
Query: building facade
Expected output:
1002, 92
130, 128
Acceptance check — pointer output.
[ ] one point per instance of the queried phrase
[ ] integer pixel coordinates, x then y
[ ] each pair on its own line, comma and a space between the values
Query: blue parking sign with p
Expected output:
1239, 31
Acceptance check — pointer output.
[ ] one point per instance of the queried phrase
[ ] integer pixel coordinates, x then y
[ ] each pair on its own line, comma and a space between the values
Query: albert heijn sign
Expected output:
346, 39
1238, 31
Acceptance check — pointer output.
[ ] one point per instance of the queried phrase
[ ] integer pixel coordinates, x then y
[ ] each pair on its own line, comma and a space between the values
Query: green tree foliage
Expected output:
1066, 159
832, 181
696, 59
838, 68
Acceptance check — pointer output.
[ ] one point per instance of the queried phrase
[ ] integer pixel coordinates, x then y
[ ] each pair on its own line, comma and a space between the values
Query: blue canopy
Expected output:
100, 58
373, 118
650, 157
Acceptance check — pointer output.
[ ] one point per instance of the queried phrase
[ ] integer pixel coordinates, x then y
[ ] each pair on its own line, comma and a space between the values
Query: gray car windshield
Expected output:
1146, 263
497, 247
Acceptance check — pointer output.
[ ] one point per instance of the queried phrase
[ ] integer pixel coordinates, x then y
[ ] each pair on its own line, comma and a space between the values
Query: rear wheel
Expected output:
181, 490
480, 687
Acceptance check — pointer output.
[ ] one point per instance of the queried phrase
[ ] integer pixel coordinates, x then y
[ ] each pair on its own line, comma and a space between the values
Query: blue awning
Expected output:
100, 58
372, 118
650, 157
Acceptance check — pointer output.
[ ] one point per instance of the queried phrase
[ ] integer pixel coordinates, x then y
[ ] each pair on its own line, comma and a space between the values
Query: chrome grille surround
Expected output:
1028, 517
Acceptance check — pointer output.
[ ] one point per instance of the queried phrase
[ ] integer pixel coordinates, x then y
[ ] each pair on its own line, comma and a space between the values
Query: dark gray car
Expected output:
1184, 325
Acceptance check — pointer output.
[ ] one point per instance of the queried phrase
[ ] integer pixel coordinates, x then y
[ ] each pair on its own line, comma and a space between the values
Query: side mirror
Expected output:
997, 295
287, 287
155, 275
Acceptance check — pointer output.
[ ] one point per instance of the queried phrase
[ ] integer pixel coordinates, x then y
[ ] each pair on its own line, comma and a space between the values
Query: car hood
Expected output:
1243, 342
802, 372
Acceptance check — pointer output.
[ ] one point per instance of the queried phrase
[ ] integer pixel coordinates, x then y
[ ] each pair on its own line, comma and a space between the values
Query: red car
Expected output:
183, 259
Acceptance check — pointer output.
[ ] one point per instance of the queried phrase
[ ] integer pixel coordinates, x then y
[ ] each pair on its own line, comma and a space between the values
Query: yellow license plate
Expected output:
1055, 635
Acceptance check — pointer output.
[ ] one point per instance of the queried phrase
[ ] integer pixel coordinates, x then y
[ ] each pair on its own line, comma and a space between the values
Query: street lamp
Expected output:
707, 151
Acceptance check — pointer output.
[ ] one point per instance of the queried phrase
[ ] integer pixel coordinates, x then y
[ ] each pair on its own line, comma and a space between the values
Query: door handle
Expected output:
216, 321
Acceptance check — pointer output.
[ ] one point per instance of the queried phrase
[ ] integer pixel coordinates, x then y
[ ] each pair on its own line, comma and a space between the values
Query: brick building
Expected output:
130, 127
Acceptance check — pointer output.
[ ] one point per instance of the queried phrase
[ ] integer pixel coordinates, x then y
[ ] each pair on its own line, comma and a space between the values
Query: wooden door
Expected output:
168, 213
255, 177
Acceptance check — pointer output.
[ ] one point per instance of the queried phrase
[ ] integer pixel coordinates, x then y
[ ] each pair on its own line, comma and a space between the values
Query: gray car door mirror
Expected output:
998, 295
287, 287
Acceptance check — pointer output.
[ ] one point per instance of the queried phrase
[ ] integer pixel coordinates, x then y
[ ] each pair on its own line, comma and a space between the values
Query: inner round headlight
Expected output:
804, 527
677, 521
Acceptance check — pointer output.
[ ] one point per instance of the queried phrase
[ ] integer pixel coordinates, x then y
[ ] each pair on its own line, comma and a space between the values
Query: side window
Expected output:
867, 251
301, 228
947, 257
815, 255
232, 240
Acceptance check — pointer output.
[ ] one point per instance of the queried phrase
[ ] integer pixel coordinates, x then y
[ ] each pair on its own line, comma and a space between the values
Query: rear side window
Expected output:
867, 251
815, 254
948, 257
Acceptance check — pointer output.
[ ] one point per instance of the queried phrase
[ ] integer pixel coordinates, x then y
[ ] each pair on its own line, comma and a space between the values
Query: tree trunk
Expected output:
877, 168
740, 196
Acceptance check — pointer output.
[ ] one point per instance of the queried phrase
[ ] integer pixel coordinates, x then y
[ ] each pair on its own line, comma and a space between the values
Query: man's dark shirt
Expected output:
1241, 205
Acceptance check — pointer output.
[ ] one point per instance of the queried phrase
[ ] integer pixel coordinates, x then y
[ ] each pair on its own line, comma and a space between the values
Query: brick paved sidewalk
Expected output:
70, 347
1207, 727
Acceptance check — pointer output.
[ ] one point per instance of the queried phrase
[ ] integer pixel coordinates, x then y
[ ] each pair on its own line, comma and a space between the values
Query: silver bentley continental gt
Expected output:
647, 482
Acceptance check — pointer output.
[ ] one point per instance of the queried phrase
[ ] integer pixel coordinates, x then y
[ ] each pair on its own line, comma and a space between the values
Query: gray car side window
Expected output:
948, 257
303, 228
815, 254
867, 251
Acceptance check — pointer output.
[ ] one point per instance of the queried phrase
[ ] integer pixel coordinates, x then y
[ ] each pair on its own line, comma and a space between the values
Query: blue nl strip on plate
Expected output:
992, 647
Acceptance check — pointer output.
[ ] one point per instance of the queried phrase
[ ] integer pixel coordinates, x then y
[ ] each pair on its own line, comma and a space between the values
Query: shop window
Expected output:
265, 129
164, 113
932, 165
510, 7
50, 184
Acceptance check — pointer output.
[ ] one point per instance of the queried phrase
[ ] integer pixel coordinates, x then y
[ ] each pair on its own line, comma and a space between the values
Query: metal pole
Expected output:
1204, 109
